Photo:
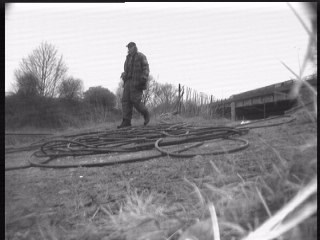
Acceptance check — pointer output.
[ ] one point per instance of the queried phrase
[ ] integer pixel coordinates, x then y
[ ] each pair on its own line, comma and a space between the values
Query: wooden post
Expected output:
211, 112
233, 111
179, 99
264, 110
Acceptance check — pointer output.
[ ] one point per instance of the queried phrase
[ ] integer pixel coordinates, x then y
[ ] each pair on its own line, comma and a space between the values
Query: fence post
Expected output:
211, 112
179, 104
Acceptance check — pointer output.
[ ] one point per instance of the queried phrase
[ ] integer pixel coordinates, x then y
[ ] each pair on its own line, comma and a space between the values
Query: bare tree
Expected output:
46, 66
164, 94
71, 88
148, 93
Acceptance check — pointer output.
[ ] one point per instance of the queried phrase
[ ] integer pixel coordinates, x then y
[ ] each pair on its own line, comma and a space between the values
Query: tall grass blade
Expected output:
214, 219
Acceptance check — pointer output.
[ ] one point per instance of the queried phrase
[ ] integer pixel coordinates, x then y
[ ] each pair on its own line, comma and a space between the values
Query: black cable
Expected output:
172, 154
137, 139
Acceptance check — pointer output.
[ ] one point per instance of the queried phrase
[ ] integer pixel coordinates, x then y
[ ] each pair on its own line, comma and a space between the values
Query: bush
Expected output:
51, 113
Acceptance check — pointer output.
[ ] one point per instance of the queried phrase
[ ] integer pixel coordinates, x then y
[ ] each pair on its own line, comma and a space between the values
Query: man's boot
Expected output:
125, 123
146, 116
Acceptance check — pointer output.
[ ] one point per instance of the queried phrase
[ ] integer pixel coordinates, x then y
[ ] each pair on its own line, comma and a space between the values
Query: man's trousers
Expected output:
132, 97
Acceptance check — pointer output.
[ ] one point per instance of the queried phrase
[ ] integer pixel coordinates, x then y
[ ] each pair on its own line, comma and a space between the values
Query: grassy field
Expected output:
169, 198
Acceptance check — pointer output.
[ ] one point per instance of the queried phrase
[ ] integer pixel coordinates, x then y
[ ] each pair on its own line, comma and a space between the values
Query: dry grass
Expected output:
244, 188
303, 205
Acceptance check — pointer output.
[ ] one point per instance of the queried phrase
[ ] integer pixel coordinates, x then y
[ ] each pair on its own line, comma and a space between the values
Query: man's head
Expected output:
132, 47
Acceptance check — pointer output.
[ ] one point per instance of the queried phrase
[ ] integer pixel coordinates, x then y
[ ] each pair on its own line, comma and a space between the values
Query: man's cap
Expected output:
131, 44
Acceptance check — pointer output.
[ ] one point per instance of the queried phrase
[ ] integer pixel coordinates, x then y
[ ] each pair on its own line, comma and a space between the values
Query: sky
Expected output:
219, 49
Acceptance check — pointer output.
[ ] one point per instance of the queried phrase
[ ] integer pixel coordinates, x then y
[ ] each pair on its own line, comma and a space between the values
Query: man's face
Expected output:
130, 50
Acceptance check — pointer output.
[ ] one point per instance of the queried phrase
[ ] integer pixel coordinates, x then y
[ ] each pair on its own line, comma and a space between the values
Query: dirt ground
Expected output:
41, 202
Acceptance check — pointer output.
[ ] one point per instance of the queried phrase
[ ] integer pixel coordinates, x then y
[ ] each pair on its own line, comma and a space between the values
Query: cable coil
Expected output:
134, 140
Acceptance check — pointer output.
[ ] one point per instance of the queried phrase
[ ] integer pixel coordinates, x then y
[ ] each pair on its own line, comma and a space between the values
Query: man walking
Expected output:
135, 76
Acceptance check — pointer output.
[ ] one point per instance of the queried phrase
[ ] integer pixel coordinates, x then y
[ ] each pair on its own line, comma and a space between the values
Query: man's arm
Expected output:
145, 66
124, 74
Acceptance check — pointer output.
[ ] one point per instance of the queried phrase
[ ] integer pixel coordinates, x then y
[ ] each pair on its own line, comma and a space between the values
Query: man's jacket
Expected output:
136, 70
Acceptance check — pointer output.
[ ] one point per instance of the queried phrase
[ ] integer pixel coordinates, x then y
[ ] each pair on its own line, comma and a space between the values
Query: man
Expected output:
135, 76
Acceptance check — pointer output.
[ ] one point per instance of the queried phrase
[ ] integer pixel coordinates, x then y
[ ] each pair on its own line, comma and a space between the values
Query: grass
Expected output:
260, 193
174, 198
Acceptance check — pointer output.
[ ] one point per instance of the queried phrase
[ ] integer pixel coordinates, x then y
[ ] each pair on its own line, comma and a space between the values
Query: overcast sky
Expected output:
216, 48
